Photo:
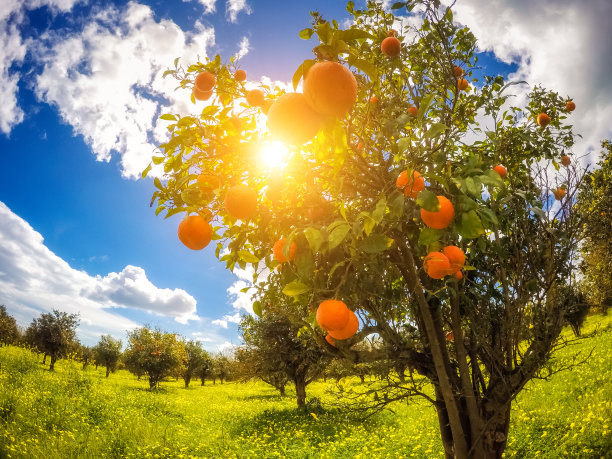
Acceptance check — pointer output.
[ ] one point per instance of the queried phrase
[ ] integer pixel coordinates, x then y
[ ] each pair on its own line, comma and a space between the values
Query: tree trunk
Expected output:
300, 391
187, 380
53, 360
214, 381
362, 377
107, 371
45, 359
203, 381
281, 389
152, 382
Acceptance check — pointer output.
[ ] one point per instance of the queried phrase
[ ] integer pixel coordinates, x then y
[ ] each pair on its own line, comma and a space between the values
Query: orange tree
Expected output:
389, 202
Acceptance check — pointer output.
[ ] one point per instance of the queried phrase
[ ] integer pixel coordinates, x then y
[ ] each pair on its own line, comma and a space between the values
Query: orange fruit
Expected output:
330, 340
373, 100
330, 88
543, 119
292, 120
450, 336
332, 315
559, 194
456, 257
462, 84
278, 250
194, 232
457, 71
392, 33
255, 98
205, 81
241, 202
570, 106
359, 146
201, 95
208, 182
458, 275
265, 108
413, 111
240, 75
206, 214
442, 218
501, 170
351, 327
391, 46
411, 185
436, 265
565, 160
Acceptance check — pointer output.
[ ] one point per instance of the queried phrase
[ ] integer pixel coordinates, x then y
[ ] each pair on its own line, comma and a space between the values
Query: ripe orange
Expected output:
240, 75
501, 170
373, 100
458, 275
278, 250
330, 340
570, 106
392, 33
391, 46
348, 330
330, 88
565, 160
255, 98
462, 84
559, 194
194, 232
332, 315
442, 218
457, 71
208, 182
436, 265
543, 119
201, 95
265, 108
359, 146
450, 336
241, 202
292, 120
455, 256
413, 111
205, 81
411, 185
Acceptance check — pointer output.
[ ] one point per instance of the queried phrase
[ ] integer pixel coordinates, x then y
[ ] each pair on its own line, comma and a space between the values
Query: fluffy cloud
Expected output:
33, 279
106, 80
234, 7
563, 45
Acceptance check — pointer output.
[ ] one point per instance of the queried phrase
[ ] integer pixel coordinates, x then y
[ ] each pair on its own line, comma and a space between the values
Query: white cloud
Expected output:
234, 7
563, 45
33, 279
106, 80
209, 6
220, 322
226, 346
243, 48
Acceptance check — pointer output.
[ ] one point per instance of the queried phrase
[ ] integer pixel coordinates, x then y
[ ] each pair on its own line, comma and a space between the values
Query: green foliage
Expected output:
53, 334
107, 353
197, 361
9, 333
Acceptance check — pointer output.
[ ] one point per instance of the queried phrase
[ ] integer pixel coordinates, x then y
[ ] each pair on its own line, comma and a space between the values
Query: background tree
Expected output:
196, 358
154, 352
450, 247
85, 355
206, 368
221, 368
108, 352
595, 204
9, 333
252, 366
54, 334
273, 346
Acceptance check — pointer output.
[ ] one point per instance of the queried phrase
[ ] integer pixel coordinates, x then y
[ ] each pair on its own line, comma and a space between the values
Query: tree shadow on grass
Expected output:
260, 397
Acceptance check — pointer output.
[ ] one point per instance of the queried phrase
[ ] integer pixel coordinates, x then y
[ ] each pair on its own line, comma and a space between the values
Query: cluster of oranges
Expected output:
337, 319
446, 263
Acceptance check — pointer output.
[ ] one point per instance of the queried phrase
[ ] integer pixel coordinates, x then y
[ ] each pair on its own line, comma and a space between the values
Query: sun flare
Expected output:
274, 155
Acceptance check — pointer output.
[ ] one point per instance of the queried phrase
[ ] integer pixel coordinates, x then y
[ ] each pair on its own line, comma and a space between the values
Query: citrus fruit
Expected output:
278, 250
413, 111
501, 170
241, 202
194, 232
205, 81
565, 160
330, 88
391, 46
201, 95
255, 98
457, 71
442, 218
332, 315
240, 75
462, 84
436, 265
455, 256
351, 327
292, 120
543, 119
570, 106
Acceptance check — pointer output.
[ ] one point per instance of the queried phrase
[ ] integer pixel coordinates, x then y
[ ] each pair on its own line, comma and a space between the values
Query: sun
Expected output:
274, 154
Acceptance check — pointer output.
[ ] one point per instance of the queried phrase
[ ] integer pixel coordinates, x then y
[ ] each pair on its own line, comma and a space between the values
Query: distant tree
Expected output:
86, 355
575, 305
108, 352
252, 366
206, 368
196, 358
221, 368
9, 333
274, 345
595, 205
154, 352
54, 334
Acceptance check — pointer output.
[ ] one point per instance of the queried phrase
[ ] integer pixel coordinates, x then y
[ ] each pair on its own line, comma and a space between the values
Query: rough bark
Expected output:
300, 391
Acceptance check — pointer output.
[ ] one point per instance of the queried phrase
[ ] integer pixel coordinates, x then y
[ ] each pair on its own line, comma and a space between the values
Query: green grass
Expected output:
75, 413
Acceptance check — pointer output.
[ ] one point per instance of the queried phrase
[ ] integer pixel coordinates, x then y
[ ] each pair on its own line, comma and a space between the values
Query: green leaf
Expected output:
488, 217
338, 234
368, 224
305, 264
295, 288
464, 204
168, 117
354, 34
379, 211
365, 66
314, 238
158, 184
301, 71
305, 34
428, 201
158, 159
425, 103
146, 171
474, 187
191, 197
168, 72
404, 144
247, 256
539, 212
429, 236
396, 207
435, 130
257, 308
470, 226
376, 243
398, 5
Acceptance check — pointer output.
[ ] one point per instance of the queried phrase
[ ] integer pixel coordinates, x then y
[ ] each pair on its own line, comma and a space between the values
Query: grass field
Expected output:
75, 413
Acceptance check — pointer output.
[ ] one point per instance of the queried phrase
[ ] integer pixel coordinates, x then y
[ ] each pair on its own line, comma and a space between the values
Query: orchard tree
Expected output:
107, 353
154, 352
196, 358
85, 355
595, 204
9, 333
408, 200
205, 369
54, 334
278, 353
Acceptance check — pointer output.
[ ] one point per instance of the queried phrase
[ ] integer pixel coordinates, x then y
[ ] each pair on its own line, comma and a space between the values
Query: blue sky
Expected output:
81, 95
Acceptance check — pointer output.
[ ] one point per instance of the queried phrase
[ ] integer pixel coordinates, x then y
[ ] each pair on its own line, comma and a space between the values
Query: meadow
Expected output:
79, 413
